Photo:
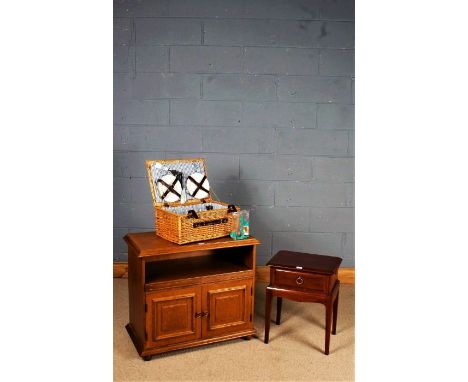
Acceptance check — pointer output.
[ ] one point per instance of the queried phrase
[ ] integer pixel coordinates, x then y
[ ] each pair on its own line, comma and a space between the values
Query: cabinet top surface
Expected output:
306, 261
149, 244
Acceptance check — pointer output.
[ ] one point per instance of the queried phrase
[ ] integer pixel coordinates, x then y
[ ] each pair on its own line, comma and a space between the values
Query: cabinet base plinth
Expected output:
184, 345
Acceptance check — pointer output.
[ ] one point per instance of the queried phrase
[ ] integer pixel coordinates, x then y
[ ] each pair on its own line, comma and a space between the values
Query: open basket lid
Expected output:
177, 180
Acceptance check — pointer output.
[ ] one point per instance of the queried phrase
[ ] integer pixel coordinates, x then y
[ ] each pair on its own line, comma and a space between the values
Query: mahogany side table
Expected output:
304, 277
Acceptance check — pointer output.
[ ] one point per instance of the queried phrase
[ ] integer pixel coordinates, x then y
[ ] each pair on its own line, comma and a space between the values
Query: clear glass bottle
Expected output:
235, 229
244, 222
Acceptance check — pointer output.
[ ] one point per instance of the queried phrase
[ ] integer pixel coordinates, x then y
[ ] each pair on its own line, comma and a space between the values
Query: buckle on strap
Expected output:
191, 214
231, 208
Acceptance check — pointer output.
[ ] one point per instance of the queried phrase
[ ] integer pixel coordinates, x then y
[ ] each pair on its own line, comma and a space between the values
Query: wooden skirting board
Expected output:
345, 275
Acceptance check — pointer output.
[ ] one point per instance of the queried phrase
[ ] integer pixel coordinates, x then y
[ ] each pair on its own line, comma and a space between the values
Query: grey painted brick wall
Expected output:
264, 90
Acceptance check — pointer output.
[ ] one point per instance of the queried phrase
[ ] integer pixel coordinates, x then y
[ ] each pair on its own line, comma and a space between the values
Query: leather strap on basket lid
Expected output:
172, 164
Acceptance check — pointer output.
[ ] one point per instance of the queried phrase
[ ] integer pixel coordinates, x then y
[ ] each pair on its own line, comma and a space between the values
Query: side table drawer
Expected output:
300, 280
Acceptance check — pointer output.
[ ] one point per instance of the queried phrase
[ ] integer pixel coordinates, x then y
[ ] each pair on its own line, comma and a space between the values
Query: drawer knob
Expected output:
299, 280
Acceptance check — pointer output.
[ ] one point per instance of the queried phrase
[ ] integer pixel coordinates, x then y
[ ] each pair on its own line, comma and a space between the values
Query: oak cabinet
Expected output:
189, 295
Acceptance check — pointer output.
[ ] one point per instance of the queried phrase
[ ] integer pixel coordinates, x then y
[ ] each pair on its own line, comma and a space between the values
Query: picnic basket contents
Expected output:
184, 209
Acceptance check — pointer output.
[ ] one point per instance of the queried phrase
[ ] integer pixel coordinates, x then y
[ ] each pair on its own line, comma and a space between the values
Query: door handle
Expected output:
198, 314
299, 280
205, 314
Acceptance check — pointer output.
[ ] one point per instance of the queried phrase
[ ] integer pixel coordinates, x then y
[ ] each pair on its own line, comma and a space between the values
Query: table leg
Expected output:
335, 312
279, 303
268, 298
328, 316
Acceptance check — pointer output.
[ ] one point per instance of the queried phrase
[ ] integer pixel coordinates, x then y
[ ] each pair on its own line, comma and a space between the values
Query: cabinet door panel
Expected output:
229, 307
170, 316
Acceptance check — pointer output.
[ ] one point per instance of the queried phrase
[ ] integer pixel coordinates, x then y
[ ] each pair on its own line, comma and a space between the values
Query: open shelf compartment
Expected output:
200, 264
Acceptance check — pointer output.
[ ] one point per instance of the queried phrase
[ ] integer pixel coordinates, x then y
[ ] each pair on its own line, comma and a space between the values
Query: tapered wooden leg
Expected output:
268, 298
335, 312
328, 316
279, 303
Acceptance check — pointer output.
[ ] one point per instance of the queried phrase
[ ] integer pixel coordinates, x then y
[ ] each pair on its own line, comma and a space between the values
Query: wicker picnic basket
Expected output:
189, 219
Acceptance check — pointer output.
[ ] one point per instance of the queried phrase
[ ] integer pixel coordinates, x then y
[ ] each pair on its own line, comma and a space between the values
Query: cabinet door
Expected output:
228, 305
170, 316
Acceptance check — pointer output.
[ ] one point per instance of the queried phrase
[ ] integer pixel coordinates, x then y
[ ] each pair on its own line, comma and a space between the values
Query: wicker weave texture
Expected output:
181, 229
171, 221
